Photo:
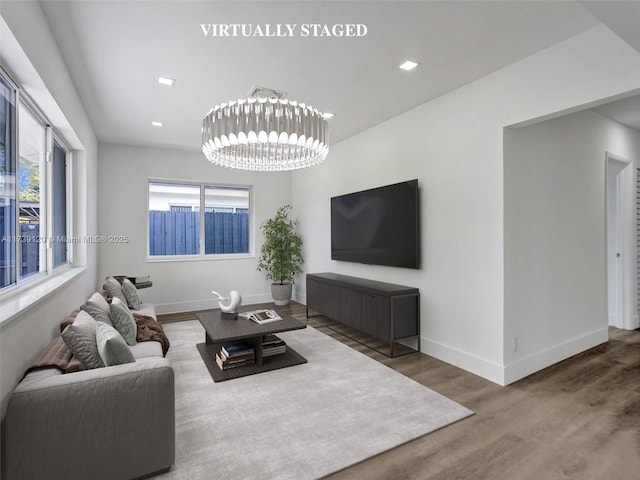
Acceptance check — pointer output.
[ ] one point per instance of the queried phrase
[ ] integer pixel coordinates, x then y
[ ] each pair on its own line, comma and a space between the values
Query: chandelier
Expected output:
265, 132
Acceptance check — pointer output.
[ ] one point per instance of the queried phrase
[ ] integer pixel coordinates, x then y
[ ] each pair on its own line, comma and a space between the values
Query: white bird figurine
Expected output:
234, 303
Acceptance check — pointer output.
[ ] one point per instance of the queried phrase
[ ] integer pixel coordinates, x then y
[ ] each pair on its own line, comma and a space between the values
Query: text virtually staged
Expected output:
283, 30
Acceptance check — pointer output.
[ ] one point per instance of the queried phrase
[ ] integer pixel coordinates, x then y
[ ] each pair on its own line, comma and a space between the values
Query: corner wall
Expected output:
179, 285
453, 145
555, 237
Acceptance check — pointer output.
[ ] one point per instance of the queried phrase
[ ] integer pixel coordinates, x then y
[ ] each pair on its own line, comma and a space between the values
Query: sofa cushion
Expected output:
80, 337
123, 321
114, 289
146, 349
148, 310
111, 346
131, 294
98, 308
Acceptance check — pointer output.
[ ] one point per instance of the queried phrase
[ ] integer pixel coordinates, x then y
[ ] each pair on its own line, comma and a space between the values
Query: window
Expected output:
33, 192
225, 230
60, 217
173, 232
8, 222
177, 212
31, 149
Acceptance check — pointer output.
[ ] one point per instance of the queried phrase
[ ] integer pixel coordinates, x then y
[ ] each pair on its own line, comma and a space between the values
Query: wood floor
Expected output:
579, 419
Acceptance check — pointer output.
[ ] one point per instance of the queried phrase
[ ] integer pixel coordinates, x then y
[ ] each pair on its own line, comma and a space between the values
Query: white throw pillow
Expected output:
131, 294
111, 346
123, 321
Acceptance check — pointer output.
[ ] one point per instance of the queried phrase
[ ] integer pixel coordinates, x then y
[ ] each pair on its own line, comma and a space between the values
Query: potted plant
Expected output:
281, 254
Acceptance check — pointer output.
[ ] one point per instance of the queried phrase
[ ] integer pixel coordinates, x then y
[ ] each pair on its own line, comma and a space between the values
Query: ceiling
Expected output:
625, 111
116, 50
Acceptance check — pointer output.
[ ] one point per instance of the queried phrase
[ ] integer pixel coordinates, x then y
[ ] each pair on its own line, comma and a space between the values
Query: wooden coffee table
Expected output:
223, 331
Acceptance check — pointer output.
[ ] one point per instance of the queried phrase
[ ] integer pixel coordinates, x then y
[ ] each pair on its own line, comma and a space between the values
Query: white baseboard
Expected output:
194, 305
537, 361
480, 366
300, 297
504, 375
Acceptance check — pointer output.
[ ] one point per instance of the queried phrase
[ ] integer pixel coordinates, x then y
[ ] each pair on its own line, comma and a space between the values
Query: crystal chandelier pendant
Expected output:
265, 133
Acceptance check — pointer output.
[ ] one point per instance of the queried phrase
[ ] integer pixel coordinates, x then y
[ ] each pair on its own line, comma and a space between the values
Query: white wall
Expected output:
183, 285
555, 236
453, 145
37, 65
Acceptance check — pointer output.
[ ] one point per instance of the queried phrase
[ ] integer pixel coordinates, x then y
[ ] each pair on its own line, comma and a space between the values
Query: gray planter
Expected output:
281, 293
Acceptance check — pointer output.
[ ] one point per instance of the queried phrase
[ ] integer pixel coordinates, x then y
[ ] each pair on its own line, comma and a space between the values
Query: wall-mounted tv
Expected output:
380, 226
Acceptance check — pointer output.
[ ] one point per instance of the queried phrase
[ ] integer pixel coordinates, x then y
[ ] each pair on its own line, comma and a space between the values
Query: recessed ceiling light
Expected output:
157, 124
166, 81
327, 115
409, 65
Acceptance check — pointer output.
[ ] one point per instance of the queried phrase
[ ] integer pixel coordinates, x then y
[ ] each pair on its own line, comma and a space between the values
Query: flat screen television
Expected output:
380, 226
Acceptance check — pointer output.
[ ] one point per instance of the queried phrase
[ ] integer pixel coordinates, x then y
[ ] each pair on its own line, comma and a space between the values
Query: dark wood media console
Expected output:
382, 310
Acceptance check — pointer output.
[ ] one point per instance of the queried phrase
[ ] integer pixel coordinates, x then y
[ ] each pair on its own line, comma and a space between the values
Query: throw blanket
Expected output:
57, 354
150, 329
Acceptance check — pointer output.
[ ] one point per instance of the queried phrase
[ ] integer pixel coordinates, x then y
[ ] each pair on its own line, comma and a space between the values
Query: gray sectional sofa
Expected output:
114, 422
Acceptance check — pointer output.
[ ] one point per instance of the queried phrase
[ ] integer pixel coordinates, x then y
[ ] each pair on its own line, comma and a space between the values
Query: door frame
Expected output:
620, 276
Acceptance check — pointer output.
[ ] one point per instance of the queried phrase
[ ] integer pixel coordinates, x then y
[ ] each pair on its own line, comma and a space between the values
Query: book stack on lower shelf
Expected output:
235, 355
272, 345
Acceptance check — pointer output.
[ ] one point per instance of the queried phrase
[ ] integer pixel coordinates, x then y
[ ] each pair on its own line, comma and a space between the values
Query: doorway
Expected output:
620, 227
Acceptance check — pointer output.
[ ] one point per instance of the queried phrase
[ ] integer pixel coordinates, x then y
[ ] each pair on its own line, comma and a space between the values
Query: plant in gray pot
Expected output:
281, 254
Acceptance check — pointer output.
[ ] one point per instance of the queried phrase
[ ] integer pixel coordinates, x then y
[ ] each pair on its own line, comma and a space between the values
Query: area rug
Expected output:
301, 422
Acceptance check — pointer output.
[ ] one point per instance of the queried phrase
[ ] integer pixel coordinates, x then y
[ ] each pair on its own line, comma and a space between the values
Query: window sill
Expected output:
199, 258
17, 302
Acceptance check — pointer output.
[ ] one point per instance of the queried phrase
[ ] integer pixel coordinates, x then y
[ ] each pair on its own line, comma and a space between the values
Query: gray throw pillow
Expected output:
131, 294
100, 301
112, 347
80, 337
98, 308
123, 321
114, 289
